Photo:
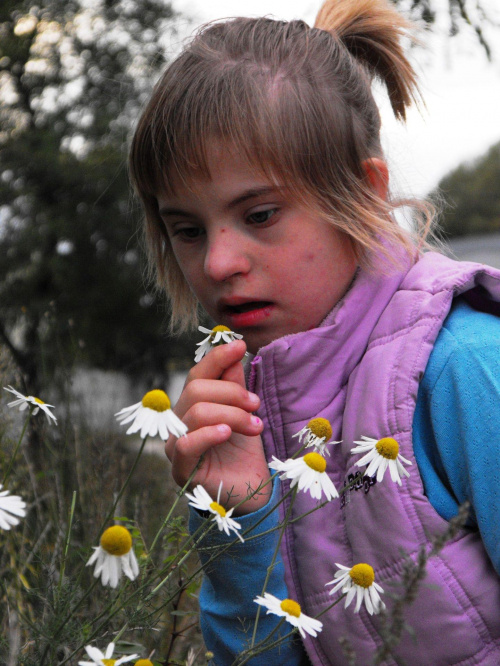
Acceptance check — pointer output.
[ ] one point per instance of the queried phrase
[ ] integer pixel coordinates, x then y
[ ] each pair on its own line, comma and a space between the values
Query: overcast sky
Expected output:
461, 90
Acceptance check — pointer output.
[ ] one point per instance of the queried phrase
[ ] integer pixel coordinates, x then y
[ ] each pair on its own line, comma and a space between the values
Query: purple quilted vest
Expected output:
361, 370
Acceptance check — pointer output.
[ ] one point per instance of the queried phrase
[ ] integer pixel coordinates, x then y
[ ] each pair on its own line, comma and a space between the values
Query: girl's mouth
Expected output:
251, 313
247, 307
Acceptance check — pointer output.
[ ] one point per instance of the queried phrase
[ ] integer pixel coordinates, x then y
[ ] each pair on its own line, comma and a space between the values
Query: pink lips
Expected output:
243, 313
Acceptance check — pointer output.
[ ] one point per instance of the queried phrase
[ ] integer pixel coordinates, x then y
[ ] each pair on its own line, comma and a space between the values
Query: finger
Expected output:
212, 435
217, 361
208, 413
186, 453
216, 391
198, 442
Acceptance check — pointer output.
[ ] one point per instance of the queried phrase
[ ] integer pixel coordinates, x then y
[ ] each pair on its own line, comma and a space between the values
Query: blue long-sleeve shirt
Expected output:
456, 439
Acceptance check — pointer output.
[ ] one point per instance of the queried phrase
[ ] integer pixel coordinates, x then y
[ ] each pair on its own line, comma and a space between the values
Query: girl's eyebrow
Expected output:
251, 193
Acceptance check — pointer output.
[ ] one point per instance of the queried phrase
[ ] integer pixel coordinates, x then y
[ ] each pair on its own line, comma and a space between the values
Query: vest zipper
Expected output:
252, 376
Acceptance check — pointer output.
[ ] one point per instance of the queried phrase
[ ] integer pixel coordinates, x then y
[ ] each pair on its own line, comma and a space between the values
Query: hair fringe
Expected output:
371, 30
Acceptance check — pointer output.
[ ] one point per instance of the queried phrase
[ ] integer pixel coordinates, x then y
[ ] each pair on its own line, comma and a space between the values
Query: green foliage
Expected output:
74, 76
51, 606
473, 196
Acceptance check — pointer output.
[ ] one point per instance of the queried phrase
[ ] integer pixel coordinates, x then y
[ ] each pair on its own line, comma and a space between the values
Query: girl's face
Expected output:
255, 260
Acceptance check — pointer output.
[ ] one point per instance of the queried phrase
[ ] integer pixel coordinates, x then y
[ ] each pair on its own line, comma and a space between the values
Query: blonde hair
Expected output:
297, 102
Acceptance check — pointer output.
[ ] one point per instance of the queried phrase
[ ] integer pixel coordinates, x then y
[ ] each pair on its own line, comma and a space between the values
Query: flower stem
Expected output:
172, 508
66, 545
127, 480
292, 492
14, 454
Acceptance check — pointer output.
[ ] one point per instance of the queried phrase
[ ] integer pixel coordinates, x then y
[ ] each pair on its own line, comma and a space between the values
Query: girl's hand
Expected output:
217, 408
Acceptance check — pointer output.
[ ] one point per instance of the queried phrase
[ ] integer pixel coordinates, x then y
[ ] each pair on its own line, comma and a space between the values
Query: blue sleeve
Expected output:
231, 583
456, 428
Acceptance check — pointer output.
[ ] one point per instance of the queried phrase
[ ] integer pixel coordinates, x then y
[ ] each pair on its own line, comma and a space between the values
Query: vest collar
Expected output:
299, 365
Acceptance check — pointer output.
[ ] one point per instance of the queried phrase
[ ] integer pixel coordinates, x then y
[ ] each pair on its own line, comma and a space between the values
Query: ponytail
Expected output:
371, 30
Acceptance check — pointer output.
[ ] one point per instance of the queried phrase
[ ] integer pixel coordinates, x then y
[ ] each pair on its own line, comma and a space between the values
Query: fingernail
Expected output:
256, 421
224, 429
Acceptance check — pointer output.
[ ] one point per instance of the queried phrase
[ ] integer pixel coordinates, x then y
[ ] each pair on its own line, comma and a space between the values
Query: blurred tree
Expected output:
461, 12
73, 76
473, 196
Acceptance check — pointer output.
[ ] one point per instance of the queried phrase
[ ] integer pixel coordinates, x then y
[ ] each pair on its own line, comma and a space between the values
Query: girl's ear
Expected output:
377, 174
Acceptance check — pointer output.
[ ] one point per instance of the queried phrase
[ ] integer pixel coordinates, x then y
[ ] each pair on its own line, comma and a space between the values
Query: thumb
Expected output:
235, 373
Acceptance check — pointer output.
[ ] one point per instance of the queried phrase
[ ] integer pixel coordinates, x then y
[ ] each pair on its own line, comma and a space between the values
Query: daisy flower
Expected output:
316, 433
202, 501
380, 455
152, 416
219, 335
113, 556
25, 401
359, 582
290, 609
104, 659
309, 472
10, 507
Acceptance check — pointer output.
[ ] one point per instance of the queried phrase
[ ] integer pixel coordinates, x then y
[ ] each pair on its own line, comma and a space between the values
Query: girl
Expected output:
259, 164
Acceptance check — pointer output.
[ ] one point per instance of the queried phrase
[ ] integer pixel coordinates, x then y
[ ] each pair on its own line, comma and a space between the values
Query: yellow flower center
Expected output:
116, 540
38, 401
315, 461
388, 448
157, 400
320, 427
218, 329
362, 575
291, 607
143, 662
109, 662
217, 507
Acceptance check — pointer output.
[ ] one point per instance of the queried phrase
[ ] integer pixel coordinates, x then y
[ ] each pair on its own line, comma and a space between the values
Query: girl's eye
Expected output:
262, 216
188, 233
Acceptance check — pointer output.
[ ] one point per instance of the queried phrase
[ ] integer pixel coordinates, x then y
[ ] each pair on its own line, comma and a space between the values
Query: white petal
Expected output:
124, 660
359, 597
106, 565
393, 470
175, 425
350, 596
382, 469
93, 557
149, 423
115, 571
128, 410
109, 650
7, 522
401, 469
94, 653
129, 565
368, 601
373, 454
310, 624
127, 418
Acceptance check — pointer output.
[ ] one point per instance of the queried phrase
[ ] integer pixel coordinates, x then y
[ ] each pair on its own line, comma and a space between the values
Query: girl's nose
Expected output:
226, 255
